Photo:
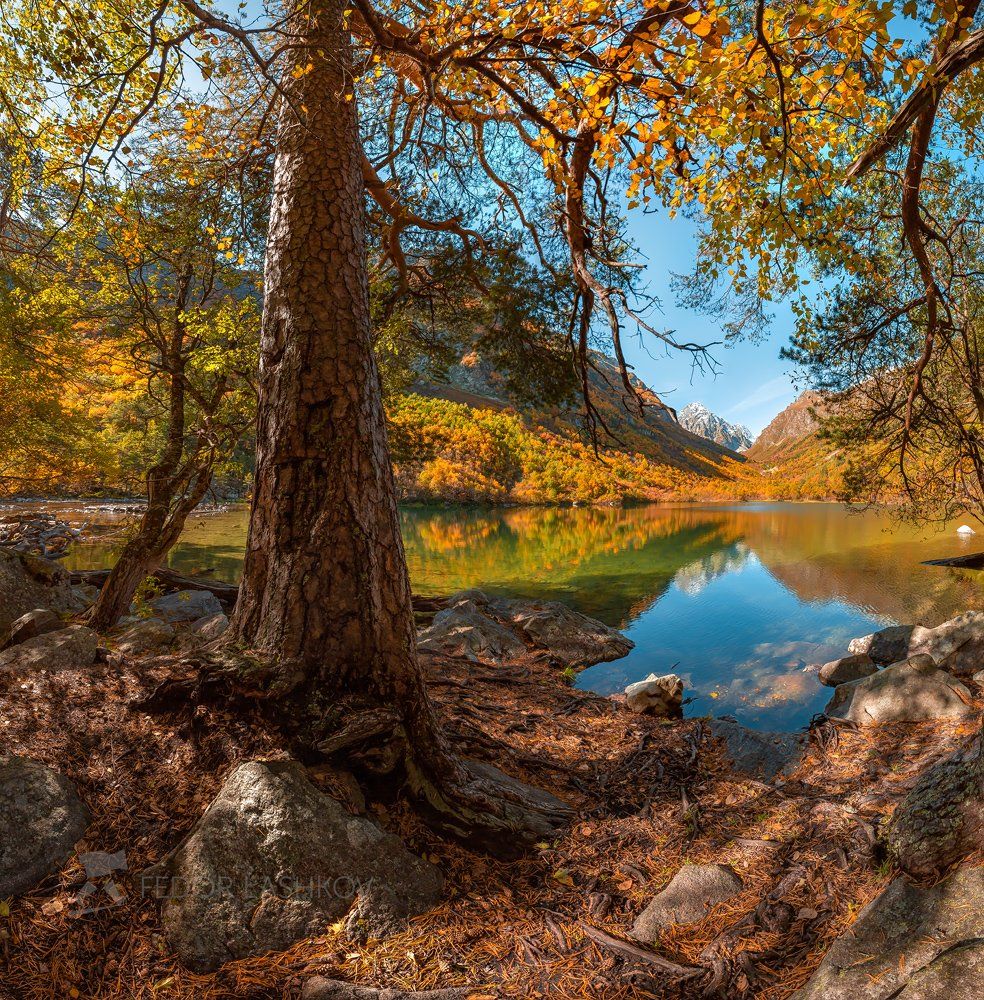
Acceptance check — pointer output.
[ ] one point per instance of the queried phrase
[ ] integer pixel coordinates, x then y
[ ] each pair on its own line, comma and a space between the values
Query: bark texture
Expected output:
325, 595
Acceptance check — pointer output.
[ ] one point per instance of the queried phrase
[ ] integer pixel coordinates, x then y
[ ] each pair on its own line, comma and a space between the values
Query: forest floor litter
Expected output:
650, 796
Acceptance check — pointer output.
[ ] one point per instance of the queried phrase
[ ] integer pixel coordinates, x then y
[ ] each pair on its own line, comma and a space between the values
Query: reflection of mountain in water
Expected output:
693, 578
615, 563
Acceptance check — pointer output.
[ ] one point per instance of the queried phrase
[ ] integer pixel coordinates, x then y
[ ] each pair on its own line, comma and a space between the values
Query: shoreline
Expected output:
652, 799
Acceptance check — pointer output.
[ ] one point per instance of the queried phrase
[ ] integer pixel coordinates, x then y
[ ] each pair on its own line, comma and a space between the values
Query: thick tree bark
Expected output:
325, 595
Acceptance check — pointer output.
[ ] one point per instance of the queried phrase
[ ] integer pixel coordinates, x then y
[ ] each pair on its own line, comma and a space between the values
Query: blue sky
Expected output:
752, 385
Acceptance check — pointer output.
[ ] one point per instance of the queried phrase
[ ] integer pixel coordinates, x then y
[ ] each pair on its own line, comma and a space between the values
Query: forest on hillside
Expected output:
253, 251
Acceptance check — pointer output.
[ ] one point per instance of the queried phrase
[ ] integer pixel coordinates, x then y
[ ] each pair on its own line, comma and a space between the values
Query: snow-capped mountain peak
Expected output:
698, 419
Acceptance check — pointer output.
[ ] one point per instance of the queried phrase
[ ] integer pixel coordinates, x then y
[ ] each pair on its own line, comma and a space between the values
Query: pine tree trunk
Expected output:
325, 593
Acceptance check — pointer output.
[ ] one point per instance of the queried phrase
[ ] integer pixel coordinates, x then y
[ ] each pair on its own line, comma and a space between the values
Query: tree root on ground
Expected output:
320, 988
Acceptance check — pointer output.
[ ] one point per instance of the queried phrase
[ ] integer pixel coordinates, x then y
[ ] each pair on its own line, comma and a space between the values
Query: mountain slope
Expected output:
698, 419
791, 431
467, 439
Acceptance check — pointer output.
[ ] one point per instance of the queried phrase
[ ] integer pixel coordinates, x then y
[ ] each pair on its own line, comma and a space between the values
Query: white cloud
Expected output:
767, 392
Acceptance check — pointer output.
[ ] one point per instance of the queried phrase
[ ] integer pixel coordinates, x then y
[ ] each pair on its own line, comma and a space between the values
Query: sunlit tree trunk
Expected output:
325, 593
176, 484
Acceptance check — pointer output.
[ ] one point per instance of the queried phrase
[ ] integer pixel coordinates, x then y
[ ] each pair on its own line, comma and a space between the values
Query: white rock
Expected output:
659, 696
966, 529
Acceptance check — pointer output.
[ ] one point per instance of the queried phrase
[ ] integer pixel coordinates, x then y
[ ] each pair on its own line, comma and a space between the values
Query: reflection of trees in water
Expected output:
886, 580
695, 576
617, 562
614, 562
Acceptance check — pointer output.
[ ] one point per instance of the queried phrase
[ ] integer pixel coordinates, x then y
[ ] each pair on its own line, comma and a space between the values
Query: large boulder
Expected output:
148, 636
659, 696
888, 645
28, 582
687, 898
274, 860
41, 819
910, 944
957, 645
847, 669
574, 639
34, 623
465, 630
68, 649
914, 690
210, 628
756, 753
940, 822
186, 606
497, 629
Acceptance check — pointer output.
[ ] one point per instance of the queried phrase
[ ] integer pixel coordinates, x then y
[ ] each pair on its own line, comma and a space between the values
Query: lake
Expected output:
737, 599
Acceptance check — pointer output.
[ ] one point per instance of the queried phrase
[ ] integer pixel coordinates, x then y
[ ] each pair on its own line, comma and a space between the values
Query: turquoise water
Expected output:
736, 599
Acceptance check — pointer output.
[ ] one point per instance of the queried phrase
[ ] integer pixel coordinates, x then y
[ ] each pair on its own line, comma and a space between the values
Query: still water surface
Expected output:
736, 599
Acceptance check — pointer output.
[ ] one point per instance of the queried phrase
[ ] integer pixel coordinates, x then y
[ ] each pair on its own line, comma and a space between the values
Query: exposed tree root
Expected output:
470, 800
320, 988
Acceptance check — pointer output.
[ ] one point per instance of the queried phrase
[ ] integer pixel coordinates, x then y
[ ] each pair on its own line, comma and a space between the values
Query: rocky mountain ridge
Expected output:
699, 420
650, 432
789, 430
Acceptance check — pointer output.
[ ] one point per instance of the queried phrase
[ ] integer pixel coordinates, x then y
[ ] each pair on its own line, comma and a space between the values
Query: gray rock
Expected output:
28, 582
759, 754
464, 630
574, 639
888, 645
909, 943
940, 822
148, 635
67, 649
186, 606
41, 817
846, 669
659, 696
686, 899
914, 690
274, 860
211, 628
85, 595
496, 630
34, 623
978, 678
957, 975
957, 645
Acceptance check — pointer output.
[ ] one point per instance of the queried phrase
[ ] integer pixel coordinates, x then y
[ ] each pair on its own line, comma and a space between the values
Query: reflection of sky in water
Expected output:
735, 598
740, 642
